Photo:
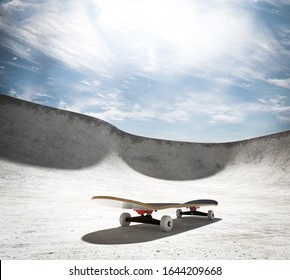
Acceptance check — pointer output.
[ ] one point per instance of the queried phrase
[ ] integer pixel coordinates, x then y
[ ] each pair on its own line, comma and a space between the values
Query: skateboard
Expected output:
145, 211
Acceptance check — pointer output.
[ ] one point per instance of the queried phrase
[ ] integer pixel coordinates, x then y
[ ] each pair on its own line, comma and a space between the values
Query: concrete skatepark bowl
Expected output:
53, 161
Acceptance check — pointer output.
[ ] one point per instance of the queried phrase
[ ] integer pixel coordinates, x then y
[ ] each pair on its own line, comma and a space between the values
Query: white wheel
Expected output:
166, 223
123, 219
210, 215
178, 213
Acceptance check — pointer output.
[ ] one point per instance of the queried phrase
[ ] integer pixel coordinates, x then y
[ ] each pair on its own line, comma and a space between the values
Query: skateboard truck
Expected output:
144, 219
193, 212
166, 222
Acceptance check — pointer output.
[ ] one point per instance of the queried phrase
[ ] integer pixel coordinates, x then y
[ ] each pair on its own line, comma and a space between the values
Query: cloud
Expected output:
277, 105
2, 69
155, 38
94, 101
62, 31
218, 108
178, 36
31, 93
212, 107
20, 65
226, 119
285, 83
12, 92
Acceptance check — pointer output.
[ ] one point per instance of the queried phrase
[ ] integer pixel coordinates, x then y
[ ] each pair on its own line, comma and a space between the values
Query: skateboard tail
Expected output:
118, 202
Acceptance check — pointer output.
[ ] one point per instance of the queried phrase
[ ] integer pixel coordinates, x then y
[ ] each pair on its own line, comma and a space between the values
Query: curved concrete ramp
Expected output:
43, 136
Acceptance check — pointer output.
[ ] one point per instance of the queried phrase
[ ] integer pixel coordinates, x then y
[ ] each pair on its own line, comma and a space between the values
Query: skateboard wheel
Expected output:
123, 219
166, 223
178, 213
210, 215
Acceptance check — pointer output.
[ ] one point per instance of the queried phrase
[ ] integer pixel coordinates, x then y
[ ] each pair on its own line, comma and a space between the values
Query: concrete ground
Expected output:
52, 162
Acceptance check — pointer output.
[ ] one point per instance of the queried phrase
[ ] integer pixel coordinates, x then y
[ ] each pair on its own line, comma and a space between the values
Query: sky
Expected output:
187, 70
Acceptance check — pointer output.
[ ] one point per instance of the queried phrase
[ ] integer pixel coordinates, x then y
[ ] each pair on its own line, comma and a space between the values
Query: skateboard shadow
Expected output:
144, 232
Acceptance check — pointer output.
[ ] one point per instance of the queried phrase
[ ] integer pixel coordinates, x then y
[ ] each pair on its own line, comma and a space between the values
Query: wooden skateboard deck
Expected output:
134, 204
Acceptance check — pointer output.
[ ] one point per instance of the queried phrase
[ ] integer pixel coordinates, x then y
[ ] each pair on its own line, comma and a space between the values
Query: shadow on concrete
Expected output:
143, 232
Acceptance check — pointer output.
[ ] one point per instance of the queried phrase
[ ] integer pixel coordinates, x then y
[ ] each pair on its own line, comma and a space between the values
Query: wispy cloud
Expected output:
31, 93
63, 31
212, 107
278, 105
285, 83
166, 38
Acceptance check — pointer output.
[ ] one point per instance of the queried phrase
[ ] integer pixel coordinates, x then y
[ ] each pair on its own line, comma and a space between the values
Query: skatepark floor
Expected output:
47, 211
